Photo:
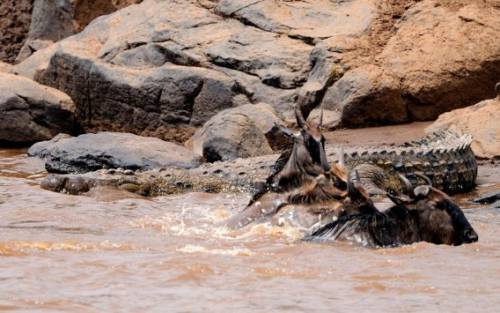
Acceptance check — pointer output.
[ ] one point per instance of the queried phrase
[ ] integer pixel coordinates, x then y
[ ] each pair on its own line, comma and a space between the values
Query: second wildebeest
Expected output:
432, 217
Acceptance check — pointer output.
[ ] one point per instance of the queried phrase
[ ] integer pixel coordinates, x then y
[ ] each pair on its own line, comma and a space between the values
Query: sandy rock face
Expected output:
236, 133
441, 57
90, 152
32, 112
481, 121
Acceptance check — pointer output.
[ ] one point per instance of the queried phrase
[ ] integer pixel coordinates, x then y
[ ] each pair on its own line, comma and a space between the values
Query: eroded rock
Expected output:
440, 58
90, 152
32, 112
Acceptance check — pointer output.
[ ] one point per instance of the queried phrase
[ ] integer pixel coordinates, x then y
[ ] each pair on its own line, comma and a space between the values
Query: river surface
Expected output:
114, 252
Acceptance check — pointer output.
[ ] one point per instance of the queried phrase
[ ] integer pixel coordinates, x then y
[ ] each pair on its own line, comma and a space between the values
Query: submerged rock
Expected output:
32, 112
90, 152
481, 121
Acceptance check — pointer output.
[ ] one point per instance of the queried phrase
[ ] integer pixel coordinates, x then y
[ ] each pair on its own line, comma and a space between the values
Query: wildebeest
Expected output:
431, 216
368, 204
301, 175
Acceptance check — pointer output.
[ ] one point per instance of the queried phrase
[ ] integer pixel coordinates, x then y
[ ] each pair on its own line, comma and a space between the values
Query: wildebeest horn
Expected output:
342, 157
300, 118
321, 118
408, 184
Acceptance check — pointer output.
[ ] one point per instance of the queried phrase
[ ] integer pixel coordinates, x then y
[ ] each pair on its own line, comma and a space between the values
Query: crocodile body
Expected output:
445, 157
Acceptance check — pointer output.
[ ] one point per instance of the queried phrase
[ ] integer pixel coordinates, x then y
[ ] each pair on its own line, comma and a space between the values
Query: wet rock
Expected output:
90, 152
236, 133
481, 121
489, 197
32, 112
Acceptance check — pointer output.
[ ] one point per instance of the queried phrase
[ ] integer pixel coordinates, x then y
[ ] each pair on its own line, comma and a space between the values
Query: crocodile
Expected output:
444, 157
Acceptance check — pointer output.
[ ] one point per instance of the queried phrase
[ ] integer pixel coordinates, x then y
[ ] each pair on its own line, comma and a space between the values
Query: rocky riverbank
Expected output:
221, 82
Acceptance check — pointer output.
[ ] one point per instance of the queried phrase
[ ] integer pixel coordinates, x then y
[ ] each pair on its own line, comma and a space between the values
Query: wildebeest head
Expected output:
312, 139
308, 157
441, 220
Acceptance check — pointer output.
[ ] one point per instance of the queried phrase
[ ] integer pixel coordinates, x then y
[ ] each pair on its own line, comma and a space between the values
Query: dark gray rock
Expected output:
162, 101
90, 152
32, 112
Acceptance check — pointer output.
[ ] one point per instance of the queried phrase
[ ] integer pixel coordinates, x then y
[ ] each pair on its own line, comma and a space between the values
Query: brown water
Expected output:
113, 252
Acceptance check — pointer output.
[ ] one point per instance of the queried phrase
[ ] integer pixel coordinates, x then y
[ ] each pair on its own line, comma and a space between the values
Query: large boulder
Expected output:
441, 57
90, 152
150, 69
32, 112
163, 72
236, 133
480, 120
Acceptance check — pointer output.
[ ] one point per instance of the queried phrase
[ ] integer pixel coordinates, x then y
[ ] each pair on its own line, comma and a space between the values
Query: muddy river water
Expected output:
114, 252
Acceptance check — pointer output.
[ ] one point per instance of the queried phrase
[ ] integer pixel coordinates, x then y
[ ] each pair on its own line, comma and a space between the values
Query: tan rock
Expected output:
481, 121
440, 57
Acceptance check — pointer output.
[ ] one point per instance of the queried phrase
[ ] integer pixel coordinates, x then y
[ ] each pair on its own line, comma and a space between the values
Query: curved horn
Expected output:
321, 118
425, 178
342, 157
300, 118
408, 185
497, 89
